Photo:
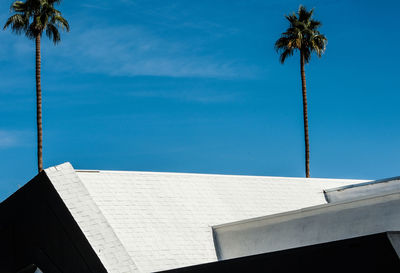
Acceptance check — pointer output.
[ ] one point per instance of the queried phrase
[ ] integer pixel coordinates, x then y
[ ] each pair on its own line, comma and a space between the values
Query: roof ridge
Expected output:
67, 171
222, 175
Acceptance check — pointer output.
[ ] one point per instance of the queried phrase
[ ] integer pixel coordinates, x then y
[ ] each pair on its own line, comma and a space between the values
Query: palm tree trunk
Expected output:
305, 114
39, 107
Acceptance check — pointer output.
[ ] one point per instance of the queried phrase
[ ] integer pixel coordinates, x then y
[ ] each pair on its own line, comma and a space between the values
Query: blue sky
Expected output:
196, 86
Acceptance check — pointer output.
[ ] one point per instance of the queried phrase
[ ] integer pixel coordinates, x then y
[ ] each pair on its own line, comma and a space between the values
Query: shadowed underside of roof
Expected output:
367, 254
159, 221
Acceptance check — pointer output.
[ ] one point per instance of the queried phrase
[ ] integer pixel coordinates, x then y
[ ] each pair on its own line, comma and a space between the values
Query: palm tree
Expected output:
303, 36
32, 18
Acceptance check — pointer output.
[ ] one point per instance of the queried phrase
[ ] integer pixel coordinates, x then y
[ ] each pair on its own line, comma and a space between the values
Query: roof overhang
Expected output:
363, 190
309, 226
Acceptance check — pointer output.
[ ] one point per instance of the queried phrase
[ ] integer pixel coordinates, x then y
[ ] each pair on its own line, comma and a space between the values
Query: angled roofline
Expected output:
301, 179
249, 236
50, 202
384, 180
293, 213
356, 191
81, 206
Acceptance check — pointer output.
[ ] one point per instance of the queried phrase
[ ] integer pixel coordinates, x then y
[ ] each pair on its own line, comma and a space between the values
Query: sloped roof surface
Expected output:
90, 219
163, 220
363, 190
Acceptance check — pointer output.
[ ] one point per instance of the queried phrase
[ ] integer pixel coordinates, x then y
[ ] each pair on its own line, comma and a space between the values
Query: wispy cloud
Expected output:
133, 51
189, 96
169, 41
94, 7
8, 139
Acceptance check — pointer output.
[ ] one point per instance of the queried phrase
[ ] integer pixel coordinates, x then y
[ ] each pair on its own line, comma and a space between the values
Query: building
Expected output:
67, 220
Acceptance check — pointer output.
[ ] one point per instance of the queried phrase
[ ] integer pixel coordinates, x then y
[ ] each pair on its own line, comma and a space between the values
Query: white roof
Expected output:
149, 221
363, 190
369, 208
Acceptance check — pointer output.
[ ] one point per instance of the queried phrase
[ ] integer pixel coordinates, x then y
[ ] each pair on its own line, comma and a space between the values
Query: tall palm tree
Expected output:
303, 36
32, 18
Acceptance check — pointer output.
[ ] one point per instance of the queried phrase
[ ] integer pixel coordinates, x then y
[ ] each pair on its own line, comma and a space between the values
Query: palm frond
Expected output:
53, 33
314, 24
285, 54
18, 6
32, 32
52, 2
303, 14
61, 22
282, 43
302, 35
306, 51
17, 23
33, 17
